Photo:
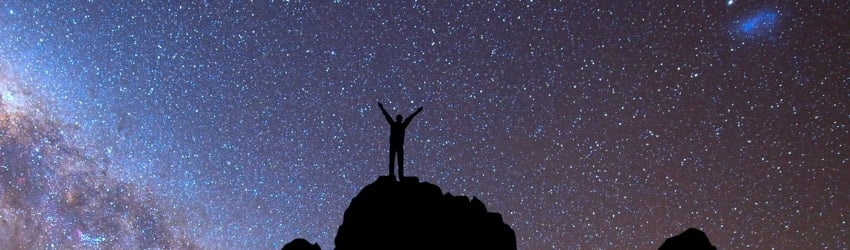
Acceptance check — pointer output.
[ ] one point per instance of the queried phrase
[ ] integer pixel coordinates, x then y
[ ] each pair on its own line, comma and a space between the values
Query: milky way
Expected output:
55, 195
592, 125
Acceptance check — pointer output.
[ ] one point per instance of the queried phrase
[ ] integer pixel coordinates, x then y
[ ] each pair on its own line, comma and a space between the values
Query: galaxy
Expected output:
244, 125
759, 23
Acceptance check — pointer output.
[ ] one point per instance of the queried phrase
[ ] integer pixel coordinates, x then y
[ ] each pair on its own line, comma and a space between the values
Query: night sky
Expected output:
592, 125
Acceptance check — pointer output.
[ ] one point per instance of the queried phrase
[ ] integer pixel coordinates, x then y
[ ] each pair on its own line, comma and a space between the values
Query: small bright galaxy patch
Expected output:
760, 24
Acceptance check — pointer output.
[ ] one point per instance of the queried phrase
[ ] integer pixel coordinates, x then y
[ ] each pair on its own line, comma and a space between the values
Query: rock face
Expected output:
409, 214
300, 244
692, 238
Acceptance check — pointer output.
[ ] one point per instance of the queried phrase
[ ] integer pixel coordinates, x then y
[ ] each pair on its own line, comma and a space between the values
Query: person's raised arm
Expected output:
410, 118
386, 115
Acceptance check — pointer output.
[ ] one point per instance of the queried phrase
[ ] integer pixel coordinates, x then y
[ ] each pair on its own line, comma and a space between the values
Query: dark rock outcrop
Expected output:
409, 214
692, 239
300, 244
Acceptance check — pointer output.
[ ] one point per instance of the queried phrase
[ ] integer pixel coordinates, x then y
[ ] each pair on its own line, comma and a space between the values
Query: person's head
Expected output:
398, 118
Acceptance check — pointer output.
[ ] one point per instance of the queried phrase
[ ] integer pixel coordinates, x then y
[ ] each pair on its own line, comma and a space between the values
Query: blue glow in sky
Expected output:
758, 24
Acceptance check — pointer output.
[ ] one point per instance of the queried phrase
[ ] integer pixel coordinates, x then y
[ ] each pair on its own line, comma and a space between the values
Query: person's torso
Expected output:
397, 133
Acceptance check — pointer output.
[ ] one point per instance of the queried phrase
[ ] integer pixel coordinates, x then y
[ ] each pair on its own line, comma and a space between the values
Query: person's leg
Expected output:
400, 162
392, 160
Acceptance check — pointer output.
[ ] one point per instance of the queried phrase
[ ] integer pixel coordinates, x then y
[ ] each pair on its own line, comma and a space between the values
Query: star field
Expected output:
232, 125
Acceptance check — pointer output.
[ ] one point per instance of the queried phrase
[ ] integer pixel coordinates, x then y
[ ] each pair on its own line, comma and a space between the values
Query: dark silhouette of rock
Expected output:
409, 214
300, 244
692, 239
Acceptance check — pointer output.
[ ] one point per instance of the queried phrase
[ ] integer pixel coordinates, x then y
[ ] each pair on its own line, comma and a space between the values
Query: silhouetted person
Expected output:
397, 138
